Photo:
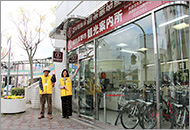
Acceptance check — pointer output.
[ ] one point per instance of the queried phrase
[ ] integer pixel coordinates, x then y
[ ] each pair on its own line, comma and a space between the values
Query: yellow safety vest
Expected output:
98, 87
68, 84
47, 84
89, 87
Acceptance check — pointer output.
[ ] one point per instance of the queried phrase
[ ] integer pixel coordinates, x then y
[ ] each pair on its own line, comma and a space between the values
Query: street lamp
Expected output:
8, 74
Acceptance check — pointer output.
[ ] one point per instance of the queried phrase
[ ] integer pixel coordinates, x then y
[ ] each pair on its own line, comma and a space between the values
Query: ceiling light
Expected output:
90, 46
175, 61
174, 20
122, 30
121, 44
181, 26
143, 49
128, 51
149, 65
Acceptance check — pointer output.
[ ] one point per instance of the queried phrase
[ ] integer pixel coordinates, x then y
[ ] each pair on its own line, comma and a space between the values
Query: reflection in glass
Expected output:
125, 56
86, 76
173, 42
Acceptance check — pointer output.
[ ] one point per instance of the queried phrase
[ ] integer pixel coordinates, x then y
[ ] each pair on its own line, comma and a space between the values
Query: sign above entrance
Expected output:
101, 12
127, 12
57, 56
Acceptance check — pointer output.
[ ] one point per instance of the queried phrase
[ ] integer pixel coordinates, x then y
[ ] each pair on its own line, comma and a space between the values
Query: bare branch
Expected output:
5, 55
29, 37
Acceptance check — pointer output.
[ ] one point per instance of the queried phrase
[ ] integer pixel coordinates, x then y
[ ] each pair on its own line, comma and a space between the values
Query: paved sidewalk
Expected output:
29, 120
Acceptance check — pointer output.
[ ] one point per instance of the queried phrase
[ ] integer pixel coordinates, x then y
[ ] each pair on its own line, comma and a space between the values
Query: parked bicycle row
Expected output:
138, 106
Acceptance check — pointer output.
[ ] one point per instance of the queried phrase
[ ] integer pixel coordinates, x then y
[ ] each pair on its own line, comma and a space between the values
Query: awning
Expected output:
60, 32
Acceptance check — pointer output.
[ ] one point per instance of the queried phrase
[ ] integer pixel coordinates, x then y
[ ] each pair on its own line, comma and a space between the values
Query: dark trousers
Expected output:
43, 98
66, 105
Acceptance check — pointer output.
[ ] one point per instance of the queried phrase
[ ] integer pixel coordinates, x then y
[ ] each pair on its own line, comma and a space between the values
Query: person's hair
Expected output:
103, 75
67, 73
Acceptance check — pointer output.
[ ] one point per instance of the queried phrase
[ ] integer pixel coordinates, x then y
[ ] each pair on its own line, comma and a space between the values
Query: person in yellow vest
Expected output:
66, 92
46, 84
98, 90
90, 90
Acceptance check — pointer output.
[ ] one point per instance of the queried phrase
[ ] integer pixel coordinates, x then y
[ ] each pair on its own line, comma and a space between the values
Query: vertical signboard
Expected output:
57, 56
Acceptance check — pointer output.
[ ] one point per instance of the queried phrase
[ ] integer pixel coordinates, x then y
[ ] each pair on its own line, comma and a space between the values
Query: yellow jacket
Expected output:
90, 87
68, 85
47, 84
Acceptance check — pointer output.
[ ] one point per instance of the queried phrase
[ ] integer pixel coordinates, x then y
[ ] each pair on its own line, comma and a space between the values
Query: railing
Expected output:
110, 101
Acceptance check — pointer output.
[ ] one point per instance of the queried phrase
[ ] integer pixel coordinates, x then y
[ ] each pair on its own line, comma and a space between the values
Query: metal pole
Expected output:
8, 74
17, 76
105, 114
145, 64
96, 111
157, 65
78, 87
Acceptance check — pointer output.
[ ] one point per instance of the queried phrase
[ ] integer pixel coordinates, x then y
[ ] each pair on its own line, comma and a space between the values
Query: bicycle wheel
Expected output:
187, 119
180, 119
149, 117
129, 118
167, 110
141, 108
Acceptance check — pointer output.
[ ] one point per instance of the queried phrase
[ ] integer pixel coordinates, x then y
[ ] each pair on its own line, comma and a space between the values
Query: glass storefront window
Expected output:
73, 56
173, 42
87, 78
127, 54
172, 24
84, 82
125, 60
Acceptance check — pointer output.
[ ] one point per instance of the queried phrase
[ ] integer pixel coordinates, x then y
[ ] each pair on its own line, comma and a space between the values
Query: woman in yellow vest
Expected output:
66, 92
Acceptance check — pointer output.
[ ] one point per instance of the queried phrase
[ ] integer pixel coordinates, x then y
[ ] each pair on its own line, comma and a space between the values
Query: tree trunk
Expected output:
31, 70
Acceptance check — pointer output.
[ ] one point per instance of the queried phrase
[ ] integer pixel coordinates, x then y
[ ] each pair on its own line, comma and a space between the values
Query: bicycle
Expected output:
176, 113
132, 106
180, 118
128, 112
149, 115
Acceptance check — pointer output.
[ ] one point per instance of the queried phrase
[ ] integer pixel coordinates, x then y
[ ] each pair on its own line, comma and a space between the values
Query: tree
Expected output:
30, 32
4, 52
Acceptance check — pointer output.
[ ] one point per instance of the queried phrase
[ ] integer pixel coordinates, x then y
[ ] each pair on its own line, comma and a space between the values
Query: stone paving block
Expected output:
29, 120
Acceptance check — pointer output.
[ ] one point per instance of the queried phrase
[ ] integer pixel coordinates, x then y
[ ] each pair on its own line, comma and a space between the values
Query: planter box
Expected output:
13, 105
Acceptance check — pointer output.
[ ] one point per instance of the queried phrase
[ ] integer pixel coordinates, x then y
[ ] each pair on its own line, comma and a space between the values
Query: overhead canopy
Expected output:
59, 32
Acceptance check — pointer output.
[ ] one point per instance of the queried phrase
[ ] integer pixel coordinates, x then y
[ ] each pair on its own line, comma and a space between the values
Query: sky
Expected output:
45, 49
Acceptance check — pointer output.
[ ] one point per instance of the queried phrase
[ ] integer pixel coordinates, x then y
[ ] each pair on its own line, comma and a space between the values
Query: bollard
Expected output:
105, 114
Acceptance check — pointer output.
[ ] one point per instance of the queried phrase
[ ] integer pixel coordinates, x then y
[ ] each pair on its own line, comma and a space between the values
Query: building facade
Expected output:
121, 45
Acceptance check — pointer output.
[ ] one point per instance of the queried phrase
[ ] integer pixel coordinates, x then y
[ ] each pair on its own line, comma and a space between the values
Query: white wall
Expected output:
64, 10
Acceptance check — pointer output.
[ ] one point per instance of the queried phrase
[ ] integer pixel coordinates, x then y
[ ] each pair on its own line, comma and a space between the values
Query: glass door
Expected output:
86, 80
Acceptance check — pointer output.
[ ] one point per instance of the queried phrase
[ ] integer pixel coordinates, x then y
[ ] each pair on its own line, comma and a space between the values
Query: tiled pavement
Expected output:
29, 120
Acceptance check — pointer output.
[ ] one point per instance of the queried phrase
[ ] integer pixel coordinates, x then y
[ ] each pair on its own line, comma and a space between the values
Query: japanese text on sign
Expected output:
99, 13
126, 13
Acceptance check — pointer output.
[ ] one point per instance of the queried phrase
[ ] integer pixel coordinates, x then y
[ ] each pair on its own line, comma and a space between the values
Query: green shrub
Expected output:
17, 91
